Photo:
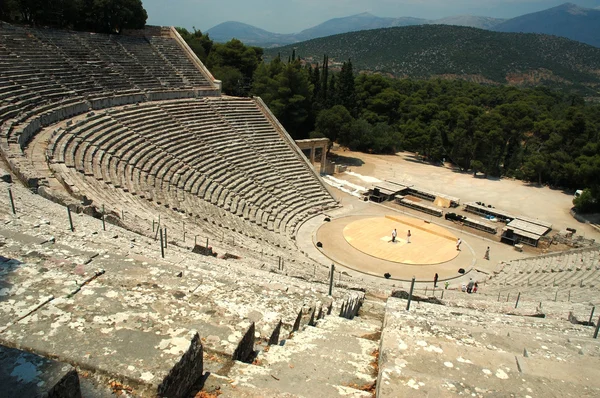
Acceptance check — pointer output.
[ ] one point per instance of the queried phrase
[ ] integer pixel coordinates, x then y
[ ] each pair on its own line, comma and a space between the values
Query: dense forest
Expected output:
536, 134
458, 52
104, 16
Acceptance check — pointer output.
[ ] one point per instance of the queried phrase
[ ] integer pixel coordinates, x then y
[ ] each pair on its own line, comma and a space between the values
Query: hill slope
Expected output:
566, 20
460, 52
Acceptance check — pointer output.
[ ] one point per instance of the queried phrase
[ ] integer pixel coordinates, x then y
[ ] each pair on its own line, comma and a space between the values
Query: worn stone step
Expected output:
23, 374
296, 366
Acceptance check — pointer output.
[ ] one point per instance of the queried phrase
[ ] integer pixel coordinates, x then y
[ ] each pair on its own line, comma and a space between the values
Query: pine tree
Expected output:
325, 80
346, 91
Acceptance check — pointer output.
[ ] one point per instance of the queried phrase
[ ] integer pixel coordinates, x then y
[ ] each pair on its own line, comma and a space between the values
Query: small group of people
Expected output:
395, 234
470, 287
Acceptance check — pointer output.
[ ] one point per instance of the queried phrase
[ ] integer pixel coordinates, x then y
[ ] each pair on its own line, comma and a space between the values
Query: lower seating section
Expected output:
134, 315
446, 350
185, 156
575, 272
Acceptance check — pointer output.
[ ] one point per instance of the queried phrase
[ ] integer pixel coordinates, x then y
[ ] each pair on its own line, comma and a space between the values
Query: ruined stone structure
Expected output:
115, 141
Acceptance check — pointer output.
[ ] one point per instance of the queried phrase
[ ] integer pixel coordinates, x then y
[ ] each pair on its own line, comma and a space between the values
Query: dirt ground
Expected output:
514, 196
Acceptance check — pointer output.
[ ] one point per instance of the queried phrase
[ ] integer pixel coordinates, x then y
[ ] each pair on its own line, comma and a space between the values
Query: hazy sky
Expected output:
290, 16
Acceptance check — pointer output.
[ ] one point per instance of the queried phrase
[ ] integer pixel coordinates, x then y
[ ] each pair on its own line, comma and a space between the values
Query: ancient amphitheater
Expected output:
162, 239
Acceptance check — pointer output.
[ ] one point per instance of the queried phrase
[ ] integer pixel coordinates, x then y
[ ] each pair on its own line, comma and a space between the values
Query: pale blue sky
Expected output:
290, 16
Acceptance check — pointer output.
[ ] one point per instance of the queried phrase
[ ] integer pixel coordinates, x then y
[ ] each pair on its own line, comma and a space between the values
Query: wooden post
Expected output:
70, 219
153, 225
498, 296
103, 222
122, 214
12, 201
425, 290
331, 274
569, 296
442, 295
207, 243
591, 315
165, 237
555, 296
518, 297
507, 297
597, 327
183, 236
412, 287
162, 248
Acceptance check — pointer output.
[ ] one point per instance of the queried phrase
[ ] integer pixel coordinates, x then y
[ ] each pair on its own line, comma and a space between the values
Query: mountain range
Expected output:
457, 52
567, 20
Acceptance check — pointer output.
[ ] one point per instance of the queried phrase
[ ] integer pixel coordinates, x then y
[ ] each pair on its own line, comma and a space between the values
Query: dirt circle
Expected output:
429, 243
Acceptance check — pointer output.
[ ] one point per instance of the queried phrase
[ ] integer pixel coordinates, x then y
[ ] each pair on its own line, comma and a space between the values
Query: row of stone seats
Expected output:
203, 218
172, 52
444, 350
44, 65
140, 307
226, 141
146, 146
248, 119
573, 268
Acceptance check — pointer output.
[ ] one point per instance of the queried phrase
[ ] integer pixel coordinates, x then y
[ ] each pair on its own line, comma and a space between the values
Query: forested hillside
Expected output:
422, 52
539, 135
90, 15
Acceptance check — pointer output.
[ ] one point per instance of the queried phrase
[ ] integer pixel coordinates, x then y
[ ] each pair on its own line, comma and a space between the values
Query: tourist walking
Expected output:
394, 233
458, 243
486, 256
435, 279
408, 235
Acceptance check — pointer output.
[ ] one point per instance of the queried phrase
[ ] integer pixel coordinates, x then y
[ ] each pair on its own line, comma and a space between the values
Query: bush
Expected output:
586, 203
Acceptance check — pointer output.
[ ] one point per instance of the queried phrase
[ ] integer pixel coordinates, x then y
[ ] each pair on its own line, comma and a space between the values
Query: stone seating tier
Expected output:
142, 308
161, 146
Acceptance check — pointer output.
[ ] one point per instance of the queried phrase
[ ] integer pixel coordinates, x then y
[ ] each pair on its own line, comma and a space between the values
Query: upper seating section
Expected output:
39, 66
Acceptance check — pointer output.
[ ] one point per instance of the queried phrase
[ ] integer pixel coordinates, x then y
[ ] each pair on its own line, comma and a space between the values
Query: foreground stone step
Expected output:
296, 366
28, 375
435, 350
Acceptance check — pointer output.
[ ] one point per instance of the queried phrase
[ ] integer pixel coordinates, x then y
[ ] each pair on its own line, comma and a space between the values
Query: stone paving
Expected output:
435, 350
135, 316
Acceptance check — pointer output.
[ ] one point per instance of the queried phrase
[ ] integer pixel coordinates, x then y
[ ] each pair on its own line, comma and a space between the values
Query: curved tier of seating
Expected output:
43, 67
576, 272
184, 155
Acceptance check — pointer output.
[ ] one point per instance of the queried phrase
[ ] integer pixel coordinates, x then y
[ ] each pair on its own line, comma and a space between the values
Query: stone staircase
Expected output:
335, 357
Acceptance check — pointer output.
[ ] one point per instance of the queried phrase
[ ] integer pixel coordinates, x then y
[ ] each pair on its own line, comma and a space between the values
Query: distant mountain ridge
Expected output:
456, 52
567, 20
252, 35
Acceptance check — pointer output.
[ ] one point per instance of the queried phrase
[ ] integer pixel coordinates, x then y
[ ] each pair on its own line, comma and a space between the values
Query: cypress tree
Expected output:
346, 92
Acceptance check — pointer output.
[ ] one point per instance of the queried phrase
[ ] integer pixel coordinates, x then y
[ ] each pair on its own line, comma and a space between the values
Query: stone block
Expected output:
23, 374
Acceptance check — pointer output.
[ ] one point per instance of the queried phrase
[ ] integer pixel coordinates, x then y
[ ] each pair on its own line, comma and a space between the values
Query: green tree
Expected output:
235, 63
112, 16
291, 102
346, 91
201, 44
335, 122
